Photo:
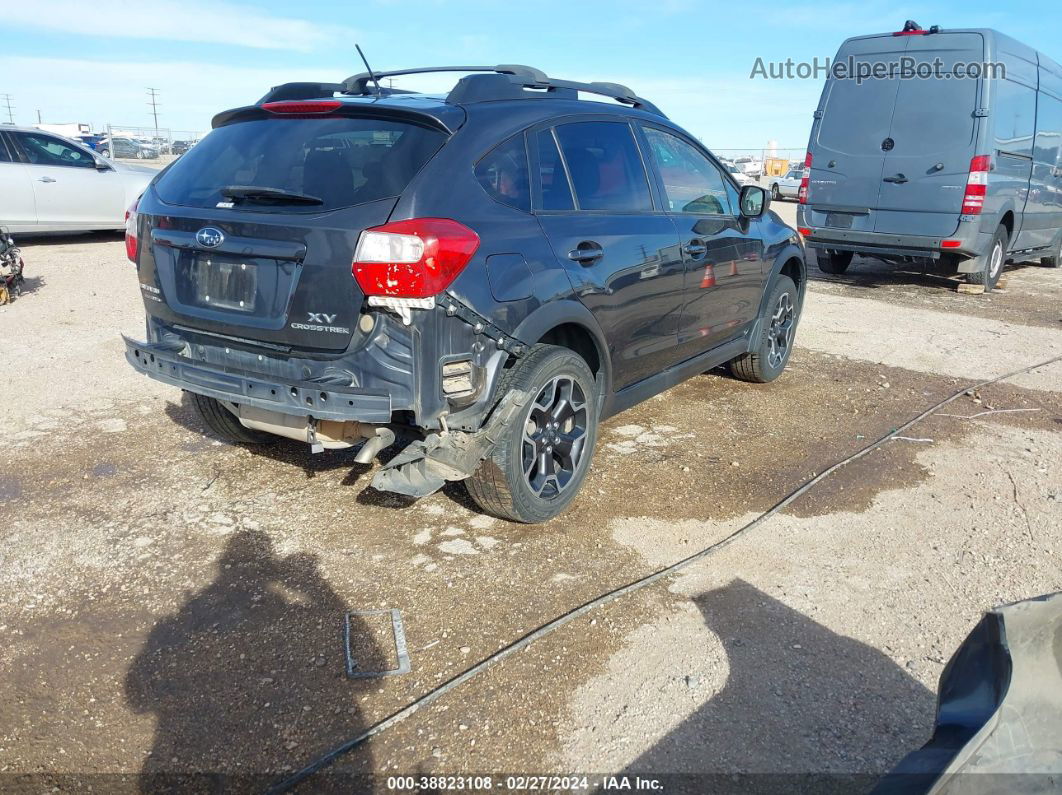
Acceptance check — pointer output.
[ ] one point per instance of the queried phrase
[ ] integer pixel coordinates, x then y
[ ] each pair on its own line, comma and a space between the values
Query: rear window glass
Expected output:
342, 161
857, 115
605, 166
936, 115
503, 174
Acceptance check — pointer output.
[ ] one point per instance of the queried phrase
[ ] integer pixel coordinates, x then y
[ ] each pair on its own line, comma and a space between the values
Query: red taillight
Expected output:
802, 192
973, 200
130, 231
804, 231
304, 107
951, 244
418, 258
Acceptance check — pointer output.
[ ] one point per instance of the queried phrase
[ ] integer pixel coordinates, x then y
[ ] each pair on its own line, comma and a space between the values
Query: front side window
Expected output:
692, 183
605, 167
4, 156
44, 150
503, 174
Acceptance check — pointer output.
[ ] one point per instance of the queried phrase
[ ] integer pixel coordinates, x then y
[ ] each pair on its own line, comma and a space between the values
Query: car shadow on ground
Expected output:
295, 454
873, 274
247, 680
799, 699
25, 240
285, 451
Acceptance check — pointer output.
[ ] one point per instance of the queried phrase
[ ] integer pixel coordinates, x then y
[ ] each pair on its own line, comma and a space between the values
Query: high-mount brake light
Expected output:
131, 243
303, 107
973, 200
417, 258
805, 179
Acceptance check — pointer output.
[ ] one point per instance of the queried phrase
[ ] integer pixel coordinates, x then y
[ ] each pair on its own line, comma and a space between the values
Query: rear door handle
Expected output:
899, 179
45, 179
586, 253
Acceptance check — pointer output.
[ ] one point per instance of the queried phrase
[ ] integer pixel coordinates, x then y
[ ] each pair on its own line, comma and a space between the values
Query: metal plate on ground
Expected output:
398, 633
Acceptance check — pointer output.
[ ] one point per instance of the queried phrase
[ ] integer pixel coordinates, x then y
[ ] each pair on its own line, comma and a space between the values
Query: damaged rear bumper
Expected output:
300, 398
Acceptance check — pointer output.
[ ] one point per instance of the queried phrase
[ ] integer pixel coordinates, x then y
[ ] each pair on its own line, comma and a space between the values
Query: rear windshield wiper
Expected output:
253, 193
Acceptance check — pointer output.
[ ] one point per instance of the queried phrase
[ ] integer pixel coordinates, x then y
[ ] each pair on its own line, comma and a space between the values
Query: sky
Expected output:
92, 62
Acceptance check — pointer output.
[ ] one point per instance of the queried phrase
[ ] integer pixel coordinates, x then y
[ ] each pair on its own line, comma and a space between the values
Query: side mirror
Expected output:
101, 163
754, 201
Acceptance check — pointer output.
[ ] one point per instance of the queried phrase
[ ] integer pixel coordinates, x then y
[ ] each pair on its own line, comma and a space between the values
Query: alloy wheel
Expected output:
780, 334
555, 434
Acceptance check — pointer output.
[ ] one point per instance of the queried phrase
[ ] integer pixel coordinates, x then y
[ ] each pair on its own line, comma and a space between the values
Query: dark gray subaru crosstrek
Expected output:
478, 278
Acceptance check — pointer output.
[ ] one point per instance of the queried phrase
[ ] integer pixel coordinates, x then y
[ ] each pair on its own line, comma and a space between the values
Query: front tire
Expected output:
776, 194
992, 260
768, 359
105, 153
224, 424
833, 262
541, 459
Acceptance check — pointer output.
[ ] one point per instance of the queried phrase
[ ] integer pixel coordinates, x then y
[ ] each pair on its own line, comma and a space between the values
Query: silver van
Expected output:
936, 145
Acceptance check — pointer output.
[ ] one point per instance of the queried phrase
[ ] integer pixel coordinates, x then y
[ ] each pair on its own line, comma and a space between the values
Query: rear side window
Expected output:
4, 156
556, 193
342, 161
503, 173
692, 183
605, 166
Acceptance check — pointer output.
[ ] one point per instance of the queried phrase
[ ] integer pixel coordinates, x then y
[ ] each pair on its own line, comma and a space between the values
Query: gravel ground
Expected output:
173, 604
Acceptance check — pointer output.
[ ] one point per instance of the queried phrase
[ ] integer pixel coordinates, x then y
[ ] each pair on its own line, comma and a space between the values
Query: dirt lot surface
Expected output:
170, 604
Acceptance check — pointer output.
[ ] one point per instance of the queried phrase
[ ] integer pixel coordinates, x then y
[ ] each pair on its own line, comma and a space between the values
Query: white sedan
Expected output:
787, 186
52, 184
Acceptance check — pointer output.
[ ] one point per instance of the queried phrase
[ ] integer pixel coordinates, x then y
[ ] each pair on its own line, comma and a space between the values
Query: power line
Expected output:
153, 93
10, 110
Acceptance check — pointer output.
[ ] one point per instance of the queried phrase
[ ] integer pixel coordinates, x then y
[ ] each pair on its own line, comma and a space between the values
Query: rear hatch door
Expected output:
855, 118
251, 234
934, 133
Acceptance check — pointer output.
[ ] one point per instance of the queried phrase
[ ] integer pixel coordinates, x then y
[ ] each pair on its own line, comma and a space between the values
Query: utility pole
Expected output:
153, 94
10, 111
38, 117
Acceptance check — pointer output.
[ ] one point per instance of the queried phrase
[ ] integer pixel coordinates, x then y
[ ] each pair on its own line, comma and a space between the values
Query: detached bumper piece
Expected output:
999, 710
426, 465
300, 398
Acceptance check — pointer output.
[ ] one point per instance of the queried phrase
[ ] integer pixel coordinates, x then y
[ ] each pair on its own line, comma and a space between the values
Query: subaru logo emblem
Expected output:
209, 237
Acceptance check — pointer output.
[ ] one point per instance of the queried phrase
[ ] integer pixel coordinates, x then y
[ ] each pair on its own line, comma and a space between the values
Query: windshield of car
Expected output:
343, 161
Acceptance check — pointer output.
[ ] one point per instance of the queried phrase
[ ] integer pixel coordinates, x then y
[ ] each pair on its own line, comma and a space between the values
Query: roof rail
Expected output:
517, 76
503, 81
359, 83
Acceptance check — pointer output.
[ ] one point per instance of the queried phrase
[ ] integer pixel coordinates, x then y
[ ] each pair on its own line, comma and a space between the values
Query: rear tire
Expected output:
105, 153
776, 194
768, 359
1056, 260
992, 261
223, 423
540, 461
833, 262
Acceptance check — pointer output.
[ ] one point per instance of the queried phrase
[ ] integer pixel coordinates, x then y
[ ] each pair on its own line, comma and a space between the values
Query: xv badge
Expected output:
321, 317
